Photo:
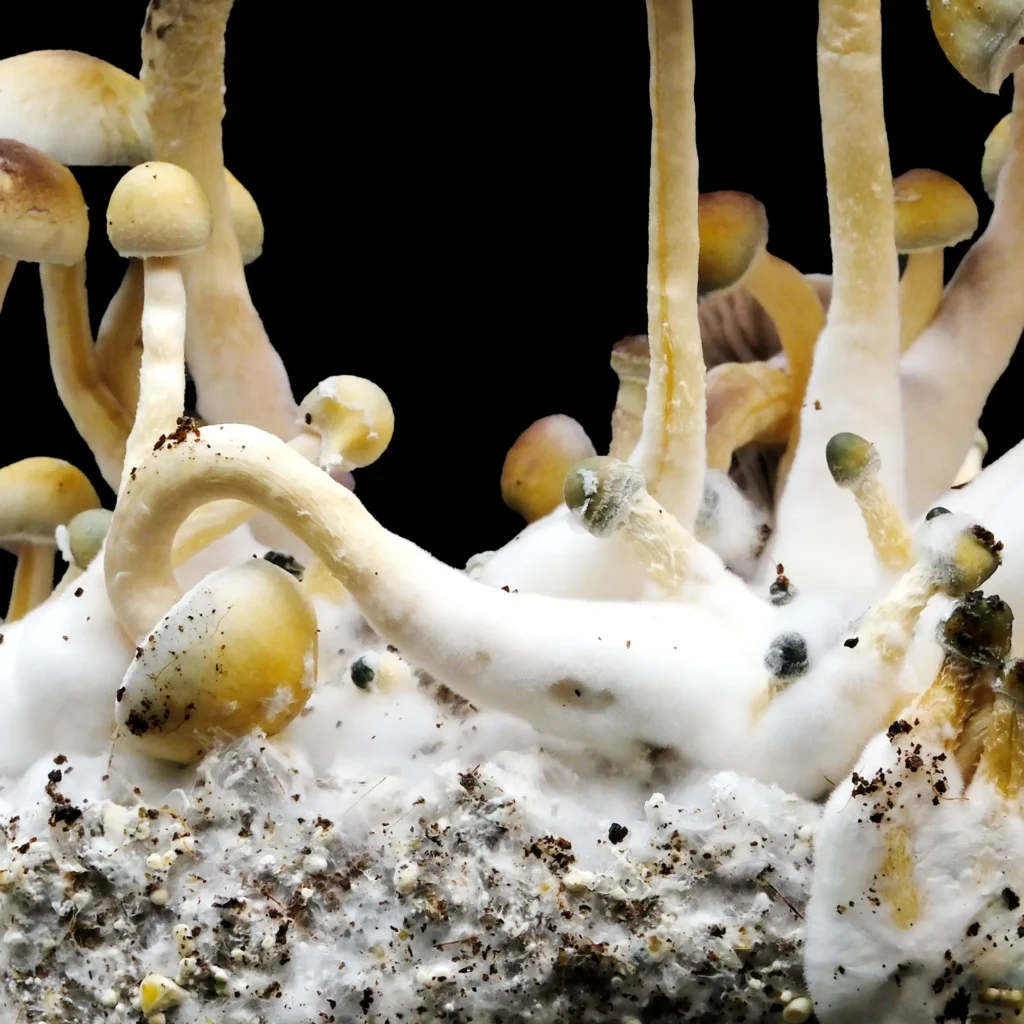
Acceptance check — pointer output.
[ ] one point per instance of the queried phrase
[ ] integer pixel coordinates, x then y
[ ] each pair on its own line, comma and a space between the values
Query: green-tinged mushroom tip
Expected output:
978, 629
599, 492
86, 534
850, 458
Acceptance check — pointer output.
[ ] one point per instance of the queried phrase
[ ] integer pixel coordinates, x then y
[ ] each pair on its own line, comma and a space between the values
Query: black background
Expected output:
455, 200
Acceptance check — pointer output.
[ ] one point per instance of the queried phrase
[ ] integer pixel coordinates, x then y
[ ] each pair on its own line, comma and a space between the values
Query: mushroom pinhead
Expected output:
997, 145
733, 230
980, 38
978, 629
86, 534
850, 459
932, 211
158, 209
238, 652
43, 217
534, 471
354, 419
958, 551
599, 492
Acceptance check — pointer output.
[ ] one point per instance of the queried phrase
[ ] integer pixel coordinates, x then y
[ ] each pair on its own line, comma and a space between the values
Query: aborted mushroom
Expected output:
156, 213
38, 495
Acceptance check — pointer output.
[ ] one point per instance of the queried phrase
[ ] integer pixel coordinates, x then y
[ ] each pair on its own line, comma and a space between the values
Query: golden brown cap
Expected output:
733, 230
158, 209
39, 494
932, 211
997, 145
980, 38
43, 217
245, 215
78, 109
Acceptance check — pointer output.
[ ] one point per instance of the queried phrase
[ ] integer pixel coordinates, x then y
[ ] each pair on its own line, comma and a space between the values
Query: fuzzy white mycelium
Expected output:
673, 753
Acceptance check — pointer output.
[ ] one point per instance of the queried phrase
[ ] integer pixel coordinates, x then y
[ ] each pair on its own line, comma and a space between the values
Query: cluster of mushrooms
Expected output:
650, 604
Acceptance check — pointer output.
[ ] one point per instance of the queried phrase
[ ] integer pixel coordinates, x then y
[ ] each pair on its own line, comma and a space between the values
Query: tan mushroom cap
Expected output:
39, 494
78, 109
997, 145
158, 209
980, 38
246, 217
43, 217
733, 228
354, 419
933, 211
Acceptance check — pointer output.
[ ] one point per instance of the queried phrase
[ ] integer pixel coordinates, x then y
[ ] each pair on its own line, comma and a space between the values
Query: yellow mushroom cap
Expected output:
78, 109
354, 419
932, 211
997, 145
43, 218
246, 217
980, 37
733, 229
39, 494
534, 471
158, 209
237, 653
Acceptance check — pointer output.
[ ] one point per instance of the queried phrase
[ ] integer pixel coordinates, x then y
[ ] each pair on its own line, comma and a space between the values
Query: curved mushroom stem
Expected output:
96, 414
162, 396
950, 369
119, 339
605, 672
670, 452
631, 363
33, 579
746, 402
7, 268
920, 293
238, 374
854, 382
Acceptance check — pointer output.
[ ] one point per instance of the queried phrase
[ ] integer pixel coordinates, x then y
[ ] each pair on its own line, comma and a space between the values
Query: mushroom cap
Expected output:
599, 492
86, 533
245, 215
851, 459
978, 629
733, 229
997, 145
237, 653
39, 494
158, 209
354, 419
932, 211
43, 217
534, 471
980, 37
961, 554
78, 109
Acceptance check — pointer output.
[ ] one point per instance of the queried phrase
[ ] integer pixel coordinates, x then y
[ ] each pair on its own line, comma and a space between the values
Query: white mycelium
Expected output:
672, 753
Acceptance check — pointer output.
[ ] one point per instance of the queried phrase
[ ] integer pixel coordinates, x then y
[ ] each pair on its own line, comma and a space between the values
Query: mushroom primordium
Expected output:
37, 496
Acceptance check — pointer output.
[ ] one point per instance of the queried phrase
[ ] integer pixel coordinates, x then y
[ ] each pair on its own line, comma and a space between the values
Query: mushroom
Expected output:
535, 466
157, 213
854, 381
237, 653
981, 38
238, 375
997, 145
670, 451
37, 496
973, 462
43, 220
933, 212
631, 361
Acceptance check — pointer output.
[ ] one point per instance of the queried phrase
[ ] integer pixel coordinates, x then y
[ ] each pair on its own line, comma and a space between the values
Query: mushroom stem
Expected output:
238, 374
7, 268
670, 452
920, 293
854, 381
946, 376
162, 397
96, 414
589, 670
746, 402
119, 339
33, 580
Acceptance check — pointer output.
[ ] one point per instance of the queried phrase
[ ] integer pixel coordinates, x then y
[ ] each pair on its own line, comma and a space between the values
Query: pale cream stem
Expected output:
119, 339
33, 579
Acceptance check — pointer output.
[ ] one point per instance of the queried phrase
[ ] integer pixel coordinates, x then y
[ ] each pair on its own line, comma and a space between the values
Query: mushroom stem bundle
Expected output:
854, 383
670, 452
238, 374
588, 670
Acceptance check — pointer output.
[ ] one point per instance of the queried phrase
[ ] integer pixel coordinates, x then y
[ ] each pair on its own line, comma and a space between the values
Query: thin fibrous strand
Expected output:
33, 580
7, 268
920, 294
238, 375
953, 365
96, 414
670, 452
854, 382
162, 392
890, 536
119, 339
